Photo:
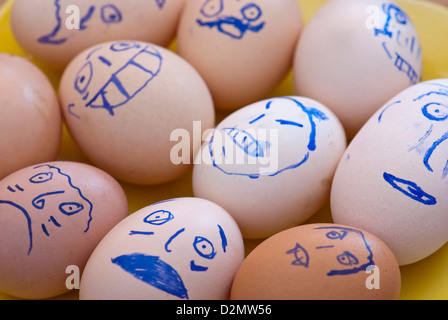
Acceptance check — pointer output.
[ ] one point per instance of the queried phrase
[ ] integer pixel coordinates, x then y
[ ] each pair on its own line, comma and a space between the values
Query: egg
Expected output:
30, 121
243, 49
393, 178
270, 164
176, 249
54, 31
52, 216
319, 262
355, 55
127, 103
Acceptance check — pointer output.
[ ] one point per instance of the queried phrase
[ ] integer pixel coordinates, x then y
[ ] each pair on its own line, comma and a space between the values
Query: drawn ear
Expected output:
317, 114
72, 112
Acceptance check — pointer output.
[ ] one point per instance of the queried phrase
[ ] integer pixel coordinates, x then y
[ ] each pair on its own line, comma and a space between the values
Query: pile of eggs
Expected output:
361, 131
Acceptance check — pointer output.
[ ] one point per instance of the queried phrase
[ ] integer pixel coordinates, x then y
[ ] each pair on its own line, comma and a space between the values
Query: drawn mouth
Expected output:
247, 143
128, 81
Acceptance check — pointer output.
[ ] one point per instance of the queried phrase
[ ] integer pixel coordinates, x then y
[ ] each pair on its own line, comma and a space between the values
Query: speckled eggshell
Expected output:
355, 55
319, 262
124, 103
52, 216
243, 49
183, 248
393, 179
55, 31
271, 163
30, 121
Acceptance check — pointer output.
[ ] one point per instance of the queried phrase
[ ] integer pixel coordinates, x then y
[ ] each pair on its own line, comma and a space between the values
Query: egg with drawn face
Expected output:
354, 55
122, 101
319, 262
55, 31
52, 216
182, 249
393, 178
270, 164
243, 49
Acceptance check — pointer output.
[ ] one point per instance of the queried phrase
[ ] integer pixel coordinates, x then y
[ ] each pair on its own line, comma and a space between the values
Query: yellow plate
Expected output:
427, 279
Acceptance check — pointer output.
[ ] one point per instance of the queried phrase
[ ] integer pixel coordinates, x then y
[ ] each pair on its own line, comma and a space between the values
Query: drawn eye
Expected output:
41, 177
110, 14
70, 208
347, 259
123, 46
435, 111
159, 217
251, 12
335, 235
84, 77
204, 248
212, 8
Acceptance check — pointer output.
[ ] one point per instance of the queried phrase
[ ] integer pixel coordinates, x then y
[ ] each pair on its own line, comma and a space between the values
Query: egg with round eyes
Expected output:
243, 49
319, 262
52, 216
54, 31
31, 123
270, 164
178, 249
393, 178
353, 56
123, 102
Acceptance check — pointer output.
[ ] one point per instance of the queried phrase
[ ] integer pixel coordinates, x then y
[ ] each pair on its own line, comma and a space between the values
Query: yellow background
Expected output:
426, 279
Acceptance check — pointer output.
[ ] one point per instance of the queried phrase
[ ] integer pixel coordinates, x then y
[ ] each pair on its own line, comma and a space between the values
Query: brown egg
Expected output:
54, 31
319, 262
30, 121
122, 102
243, 49
52, 216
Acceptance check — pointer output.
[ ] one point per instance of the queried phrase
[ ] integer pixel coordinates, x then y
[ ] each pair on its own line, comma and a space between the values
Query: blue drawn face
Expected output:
55, 202
103, 83
432, 147
334, 245
197, 252
251, 140
249, 19
397, 31
108, 14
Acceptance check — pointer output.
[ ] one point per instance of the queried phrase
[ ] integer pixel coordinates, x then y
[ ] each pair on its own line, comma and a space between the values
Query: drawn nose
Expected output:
248, 143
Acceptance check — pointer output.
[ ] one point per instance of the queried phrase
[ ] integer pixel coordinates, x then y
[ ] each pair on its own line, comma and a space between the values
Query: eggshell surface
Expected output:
55, 31
123, 100
30, 121
270, 164
353, 56
52, 216
392, 180
319, 262
182, 248
243, 49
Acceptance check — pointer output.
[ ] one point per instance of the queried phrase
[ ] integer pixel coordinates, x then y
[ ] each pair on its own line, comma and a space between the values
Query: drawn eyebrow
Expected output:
258, 118
325, 247
143, 233
105, 61
289, 123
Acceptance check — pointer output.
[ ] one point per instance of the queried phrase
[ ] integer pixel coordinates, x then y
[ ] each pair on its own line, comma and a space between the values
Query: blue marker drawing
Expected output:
410, 189
51, 204
144, 65
234, 27
109, 14
301, 257
153, 271
244, 139
396, 18
160, 3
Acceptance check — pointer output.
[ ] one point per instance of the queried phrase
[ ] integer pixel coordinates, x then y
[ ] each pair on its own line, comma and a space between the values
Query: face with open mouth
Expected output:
113, 74
278, 134
48, 200
431, 147
334, 244
175, 251
215, 15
